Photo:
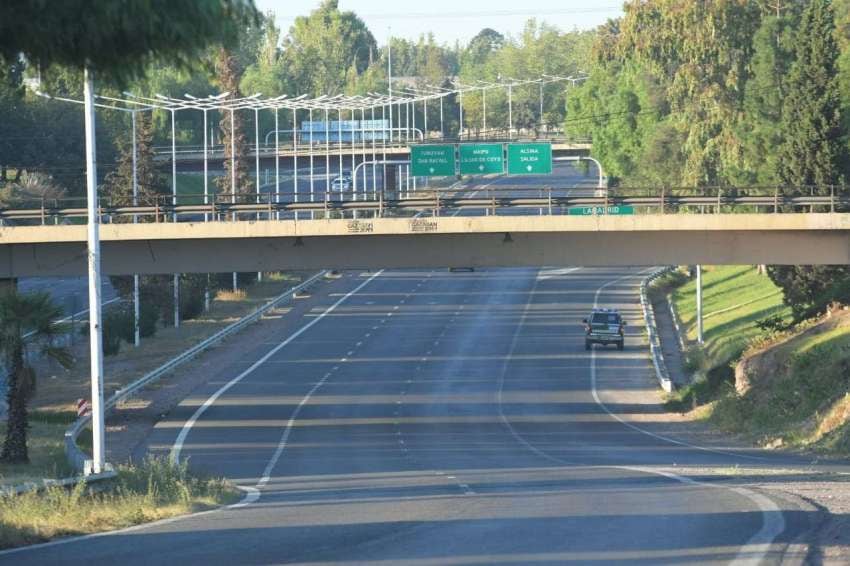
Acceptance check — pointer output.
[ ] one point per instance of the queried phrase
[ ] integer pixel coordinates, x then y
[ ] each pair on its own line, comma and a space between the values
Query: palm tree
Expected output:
26, 320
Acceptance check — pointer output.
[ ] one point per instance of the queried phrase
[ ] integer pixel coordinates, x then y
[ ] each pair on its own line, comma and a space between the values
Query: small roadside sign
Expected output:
432, 160
597, 210
529, 159
481, 158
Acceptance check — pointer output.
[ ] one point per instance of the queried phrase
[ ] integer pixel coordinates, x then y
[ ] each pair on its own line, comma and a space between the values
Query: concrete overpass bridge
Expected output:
474, 227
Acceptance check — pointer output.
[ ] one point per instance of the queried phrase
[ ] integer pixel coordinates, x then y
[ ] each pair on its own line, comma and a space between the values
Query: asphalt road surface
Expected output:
428, 417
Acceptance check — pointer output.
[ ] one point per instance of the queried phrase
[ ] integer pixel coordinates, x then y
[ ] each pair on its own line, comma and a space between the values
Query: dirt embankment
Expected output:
805, 377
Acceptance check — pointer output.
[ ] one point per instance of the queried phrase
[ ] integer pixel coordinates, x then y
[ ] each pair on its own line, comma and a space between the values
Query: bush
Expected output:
695, 359
115, 326
148, 317
192, 288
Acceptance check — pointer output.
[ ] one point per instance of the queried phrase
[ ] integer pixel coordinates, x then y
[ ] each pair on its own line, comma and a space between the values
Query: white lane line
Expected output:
754, 551
633, 426
184, 432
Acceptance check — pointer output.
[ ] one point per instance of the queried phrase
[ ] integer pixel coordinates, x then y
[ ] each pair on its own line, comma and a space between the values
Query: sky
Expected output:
451, 20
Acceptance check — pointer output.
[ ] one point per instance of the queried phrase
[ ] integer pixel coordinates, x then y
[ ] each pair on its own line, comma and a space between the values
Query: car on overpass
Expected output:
604, 326
341, 183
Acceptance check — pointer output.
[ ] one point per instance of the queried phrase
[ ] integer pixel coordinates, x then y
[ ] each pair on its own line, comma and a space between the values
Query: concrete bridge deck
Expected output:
474, 241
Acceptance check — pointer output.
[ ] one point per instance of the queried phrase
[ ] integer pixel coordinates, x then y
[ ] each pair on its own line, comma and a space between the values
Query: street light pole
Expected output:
442, 129
460, 120
327, 153
95, 314
233, 178
136, 336
484, 114
295, 155
390, 78
276, 160
540, 115
510, 112
310, 117
699, 305
174, 203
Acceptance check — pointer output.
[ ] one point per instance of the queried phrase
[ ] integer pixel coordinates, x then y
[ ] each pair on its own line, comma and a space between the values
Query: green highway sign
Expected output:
594, 210
432, 160
481, 158
529, 159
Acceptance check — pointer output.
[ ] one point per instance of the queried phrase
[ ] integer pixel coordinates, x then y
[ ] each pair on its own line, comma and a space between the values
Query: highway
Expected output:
429, 417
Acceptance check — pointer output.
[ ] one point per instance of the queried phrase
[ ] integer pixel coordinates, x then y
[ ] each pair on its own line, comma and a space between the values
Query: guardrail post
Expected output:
832, 198
436, 203
42, 211
549, 198
662, 200
719, 199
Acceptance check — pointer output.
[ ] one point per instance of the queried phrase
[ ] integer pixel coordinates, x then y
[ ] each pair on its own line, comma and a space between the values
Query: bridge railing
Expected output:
437, 202
319, 147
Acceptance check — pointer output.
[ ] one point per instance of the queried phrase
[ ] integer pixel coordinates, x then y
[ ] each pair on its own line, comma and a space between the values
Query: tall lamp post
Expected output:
98, 464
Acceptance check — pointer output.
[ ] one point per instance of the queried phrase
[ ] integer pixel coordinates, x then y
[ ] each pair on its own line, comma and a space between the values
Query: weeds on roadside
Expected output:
154, 490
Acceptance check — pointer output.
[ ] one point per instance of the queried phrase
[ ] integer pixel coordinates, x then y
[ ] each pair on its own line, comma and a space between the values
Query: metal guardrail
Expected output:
252, 206
656, 353
77, 458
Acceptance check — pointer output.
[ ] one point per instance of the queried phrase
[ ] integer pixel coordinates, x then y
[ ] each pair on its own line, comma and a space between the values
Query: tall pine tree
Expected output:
119, 183
234, 140
811, 117
760, 127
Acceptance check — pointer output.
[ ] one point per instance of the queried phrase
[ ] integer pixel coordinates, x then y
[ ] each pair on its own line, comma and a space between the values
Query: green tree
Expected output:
26, 321
118, 185
811, 122
322, 47
702, 52
119, 38
809, 289
232, 129
760, 127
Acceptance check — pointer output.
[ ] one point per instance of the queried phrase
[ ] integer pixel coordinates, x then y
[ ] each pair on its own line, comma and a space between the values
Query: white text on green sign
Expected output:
432, 160
597, 210
529, 158
481, 159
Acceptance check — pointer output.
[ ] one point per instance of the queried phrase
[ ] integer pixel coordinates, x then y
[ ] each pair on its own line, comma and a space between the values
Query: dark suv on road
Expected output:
605, 326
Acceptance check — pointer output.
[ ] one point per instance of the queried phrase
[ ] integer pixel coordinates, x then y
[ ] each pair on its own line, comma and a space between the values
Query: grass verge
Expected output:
46, 445
776, 389
735, 300
155, 490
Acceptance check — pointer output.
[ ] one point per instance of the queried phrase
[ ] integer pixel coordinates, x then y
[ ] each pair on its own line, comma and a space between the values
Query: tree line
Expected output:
727, 93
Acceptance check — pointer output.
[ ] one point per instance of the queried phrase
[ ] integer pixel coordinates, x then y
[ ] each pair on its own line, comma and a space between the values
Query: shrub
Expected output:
115, 325
148, 317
